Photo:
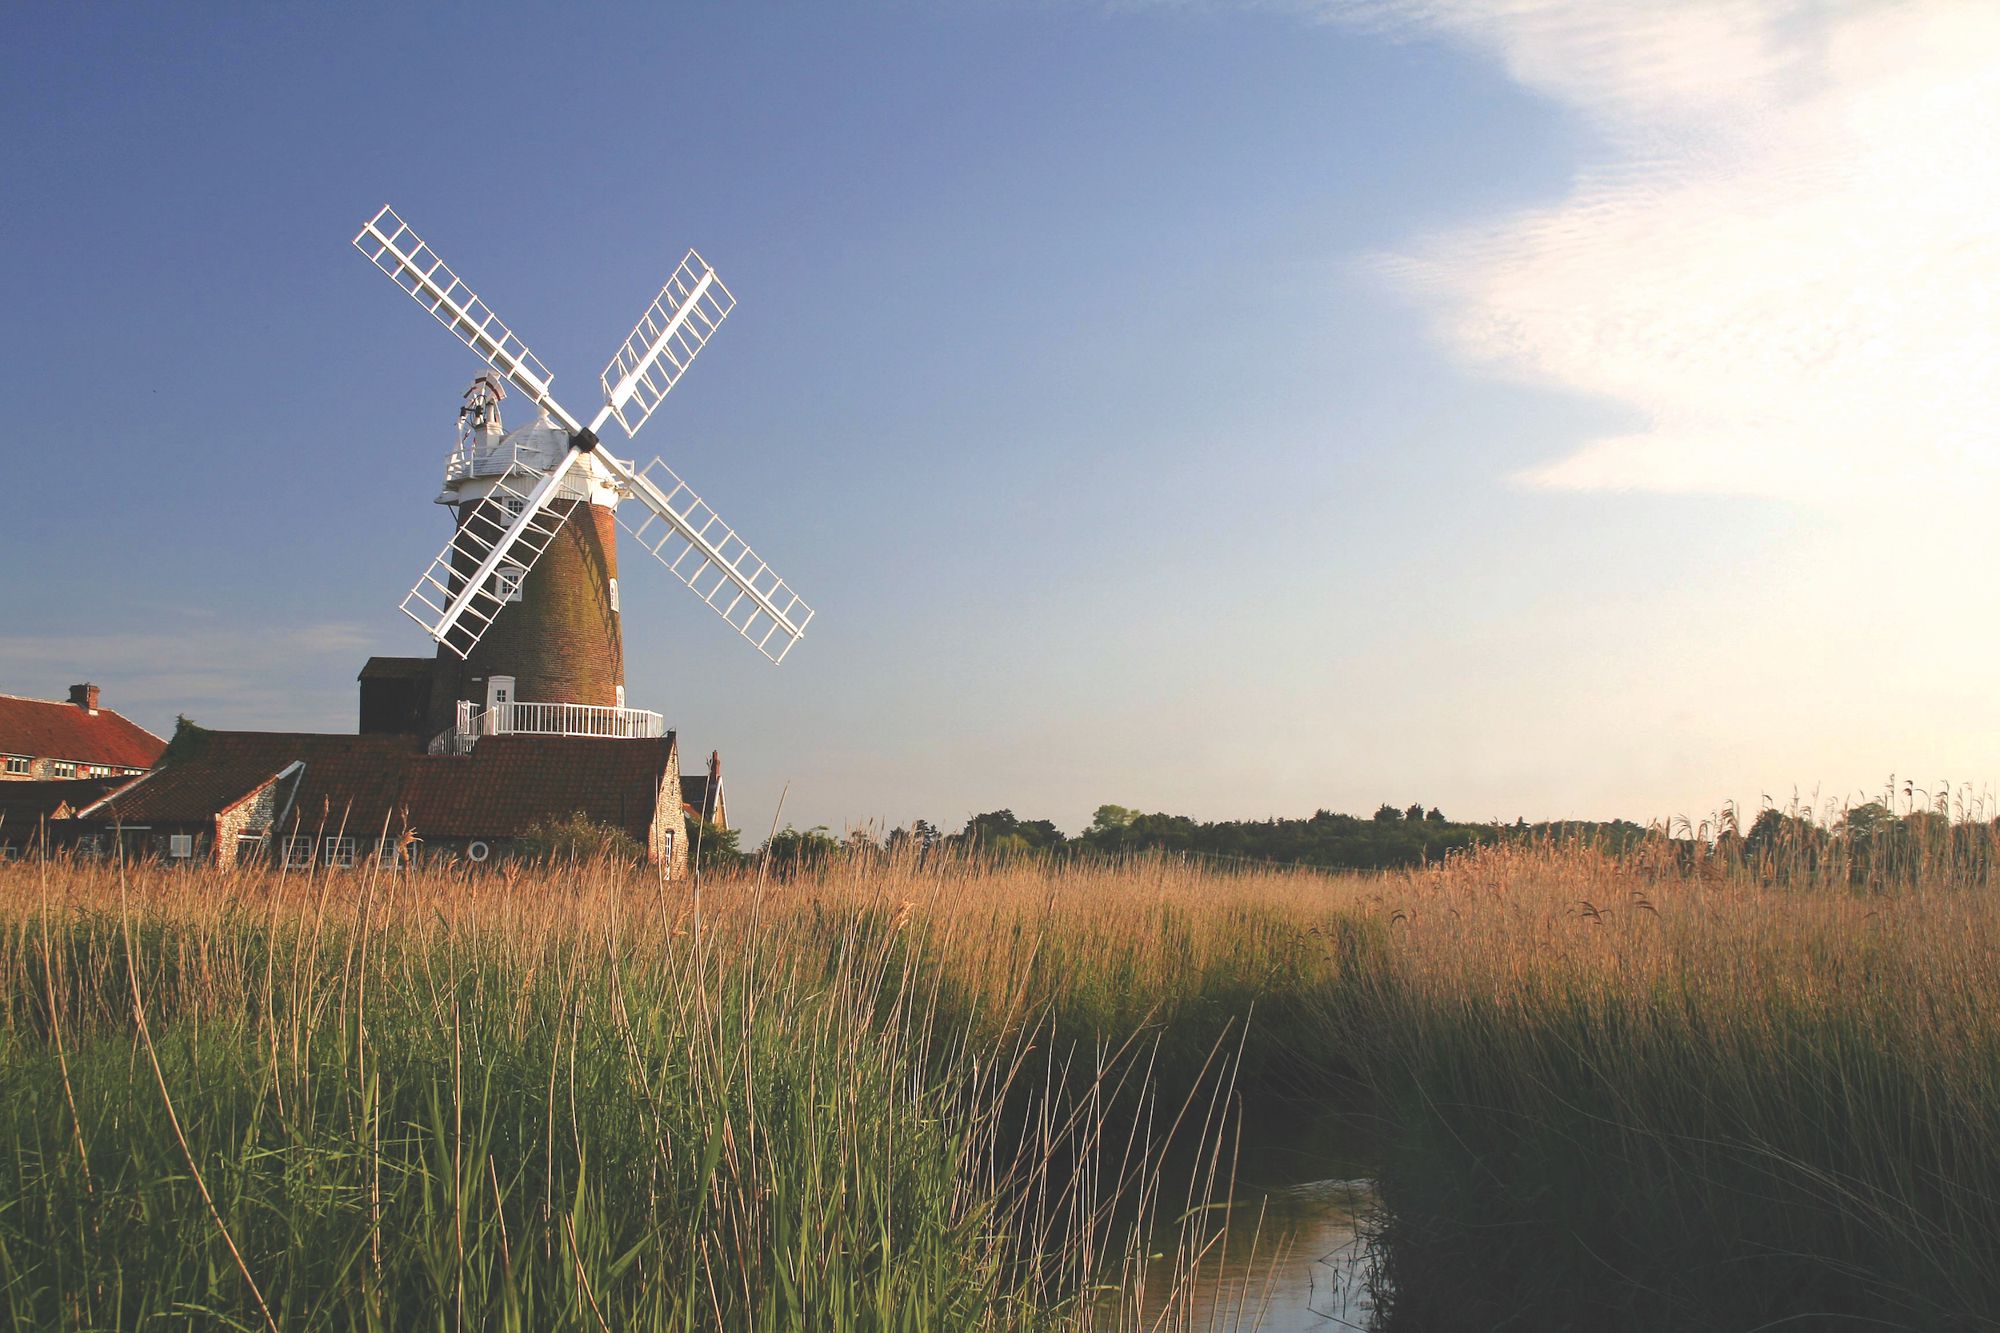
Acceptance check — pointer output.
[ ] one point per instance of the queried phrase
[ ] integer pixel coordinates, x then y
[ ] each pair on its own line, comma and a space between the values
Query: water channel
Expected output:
1295, 1258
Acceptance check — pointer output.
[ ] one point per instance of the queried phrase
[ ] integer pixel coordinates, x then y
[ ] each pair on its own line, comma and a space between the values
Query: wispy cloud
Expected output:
1785, 264
276, 676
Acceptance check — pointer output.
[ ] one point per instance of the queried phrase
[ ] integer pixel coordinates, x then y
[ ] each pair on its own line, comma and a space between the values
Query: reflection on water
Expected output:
1291, 1262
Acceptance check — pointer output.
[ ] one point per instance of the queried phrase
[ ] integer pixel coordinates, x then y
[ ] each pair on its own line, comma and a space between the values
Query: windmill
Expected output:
495, 610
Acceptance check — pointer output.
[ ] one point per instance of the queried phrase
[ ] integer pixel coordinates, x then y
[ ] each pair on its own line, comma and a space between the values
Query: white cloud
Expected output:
277, 676
1788, 264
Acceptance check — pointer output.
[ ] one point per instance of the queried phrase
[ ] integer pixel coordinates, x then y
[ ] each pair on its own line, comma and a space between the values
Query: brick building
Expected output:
303, 798
32, 811
46, 739
701, 794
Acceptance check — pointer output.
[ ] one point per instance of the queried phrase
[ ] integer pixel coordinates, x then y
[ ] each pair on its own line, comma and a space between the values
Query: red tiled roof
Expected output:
509, 783
362, 783
31, 802
46, 729
349, 781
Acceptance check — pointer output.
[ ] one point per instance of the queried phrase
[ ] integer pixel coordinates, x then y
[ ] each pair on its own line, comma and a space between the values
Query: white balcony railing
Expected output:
542, 719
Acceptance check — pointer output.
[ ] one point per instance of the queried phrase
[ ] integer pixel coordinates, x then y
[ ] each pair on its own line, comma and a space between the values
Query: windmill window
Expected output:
513, 505
507, 583
340, 853
17, 764
180, 845
299, 852
614, 594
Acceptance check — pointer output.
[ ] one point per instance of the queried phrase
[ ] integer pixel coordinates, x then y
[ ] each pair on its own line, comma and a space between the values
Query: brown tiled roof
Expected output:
508, 783
348, 780
46, 729
361, 783
397, 668
31, 802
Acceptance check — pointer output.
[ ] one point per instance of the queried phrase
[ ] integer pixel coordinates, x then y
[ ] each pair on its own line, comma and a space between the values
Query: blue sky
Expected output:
1528, 408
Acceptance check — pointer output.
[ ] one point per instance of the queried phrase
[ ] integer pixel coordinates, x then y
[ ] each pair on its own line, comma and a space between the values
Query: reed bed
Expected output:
1644, 1091
570, 1098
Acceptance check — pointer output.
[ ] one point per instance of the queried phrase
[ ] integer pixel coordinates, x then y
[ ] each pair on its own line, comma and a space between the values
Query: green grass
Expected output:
558, 1103
1660, 1091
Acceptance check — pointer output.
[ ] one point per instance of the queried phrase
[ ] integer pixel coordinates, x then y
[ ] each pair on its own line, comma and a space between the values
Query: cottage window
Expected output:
62, 768
340, 853
507, 583
299, 852
17, 765
180, 845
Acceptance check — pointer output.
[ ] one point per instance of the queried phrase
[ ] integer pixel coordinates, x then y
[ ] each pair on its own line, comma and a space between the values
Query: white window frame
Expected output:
339, 853
507, 581
180, 846
20, 765
62, 768
621, 696
614, 592
299, 850
513, 504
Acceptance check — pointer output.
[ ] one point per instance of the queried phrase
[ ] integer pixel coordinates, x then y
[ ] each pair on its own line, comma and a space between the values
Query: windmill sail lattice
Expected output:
672, 330
702, 551
463, 591
399, 252
480, 568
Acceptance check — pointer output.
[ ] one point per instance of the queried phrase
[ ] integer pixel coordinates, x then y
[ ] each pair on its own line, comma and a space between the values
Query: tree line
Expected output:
1393, 837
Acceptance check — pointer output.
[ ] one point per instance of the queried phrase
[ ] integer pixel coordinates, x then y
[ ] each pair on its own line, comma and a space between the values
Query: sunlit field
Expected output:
1598, 1092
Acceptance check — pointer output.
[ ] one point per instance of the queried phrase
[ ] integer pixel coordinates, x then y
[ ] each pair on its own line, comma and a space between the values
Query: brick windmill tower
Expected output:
523, 601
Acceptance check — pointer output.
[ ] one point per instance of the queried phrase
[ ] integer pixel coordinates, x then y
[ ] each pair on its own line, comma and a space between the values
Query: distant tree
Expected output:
919, 837
1004, 833
714, 847
1110, 817
1415, 813
189, 739
1436, 816
1387, 814
790, 851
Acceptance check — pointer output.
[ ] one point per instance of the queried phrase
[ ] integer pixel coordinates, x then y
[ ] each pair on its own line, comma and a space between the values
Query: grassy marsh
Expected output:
1636, 1092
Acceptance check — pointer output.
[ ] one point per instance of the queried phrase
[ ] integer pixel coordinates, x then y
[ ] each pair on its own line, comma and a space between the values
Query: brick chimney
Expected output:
85, 697
714, 771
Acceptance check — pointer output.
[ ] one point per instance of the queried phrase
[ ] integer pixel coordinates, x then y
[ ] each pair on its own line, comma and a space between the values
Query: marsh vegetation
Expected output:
1646, 1090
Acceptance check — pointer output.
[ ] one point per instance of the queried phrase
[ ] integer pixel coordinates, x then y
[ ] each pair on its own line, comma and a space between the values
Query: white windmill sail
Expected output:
481, 568
412, 265
687, 310
698, 548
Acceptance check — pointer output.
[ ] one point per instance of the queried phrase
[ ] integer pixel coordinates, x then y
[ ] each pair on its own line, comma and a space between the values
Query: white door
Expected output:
499, 704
